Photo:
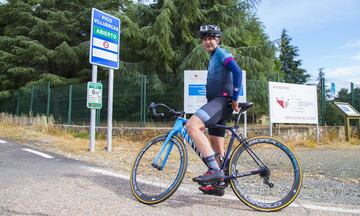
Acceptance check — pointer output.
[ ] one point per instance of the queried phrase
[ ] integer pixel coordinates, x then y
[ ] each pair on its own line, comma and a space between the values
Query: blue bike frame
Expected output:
179, 127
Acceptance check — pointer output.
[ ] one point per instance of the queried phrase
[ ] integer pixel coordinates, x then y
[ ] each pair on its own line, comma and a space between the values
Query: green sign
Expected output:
105, 33
94, 95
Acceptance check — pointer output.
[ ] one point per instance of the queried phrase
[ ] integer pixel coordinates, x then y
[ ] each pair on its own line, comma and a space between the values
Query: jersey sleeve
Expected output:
237, 78
224, 56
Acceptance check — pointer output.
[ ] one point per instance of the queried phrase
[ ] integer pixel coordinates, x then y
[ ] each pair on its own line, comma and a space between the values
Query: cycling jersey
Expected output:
220, 81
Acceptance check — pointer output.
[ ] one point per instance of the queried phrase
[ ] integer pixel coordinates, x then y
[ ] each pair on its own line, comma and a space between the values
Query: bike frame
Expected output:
179, 127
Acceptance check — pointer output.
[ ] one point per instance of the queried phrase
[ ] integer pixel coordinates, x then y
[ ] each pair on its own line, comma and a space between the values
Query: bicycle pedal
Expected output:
221, 185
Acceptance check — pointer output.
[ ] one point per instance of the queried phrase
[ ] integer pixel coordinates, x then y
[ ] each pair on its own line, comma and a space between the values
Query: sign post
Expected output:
93, 113
104, 51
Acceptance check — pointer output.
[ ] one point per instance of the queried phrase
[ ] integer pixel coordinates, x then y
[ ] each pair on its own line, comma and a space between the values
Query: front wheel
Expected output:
268, 181
151, 184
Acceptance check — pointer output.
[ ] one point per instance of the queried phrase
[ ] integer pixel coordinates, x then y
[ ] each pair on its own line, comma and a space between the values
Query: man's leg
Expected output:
195, 128
217, 144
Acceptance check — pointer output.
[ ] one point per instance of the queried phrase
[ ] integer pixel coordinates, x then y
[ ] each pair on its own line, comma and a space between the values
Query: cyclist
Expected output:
222, 90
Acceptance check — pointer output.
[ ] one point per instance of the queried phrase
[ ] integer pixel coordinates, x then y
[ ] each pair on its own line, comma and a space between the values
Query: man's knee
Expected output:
194, 124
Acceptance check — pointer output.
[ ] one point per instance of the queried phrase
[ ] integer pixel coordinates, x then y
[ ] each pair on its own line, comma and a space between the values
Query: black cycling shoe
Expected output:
212, 190
209, 177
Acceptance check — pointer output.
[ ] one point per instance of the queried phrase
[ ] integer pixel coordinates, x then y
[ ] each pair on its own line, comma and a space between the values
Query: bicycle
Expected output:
262, 172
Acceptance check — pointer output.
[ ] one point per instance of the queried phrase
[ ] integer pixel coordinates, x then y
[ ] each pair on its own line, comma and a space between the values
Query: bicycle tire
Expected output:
164, 182
285, 174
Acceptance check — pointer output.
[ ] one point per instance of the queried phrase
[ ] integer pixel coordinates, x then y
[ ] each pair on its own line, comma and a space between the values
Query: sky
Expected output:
326, 32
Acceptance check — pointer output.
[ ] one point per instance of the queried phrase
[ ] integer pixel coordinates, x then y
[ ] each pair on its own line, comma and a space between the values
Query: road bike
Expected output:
262, 171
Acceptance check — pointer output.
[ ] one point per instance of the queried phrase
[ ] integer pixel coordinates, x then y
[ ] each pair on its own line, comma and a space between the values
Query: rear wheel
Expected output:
268, 186
151, 184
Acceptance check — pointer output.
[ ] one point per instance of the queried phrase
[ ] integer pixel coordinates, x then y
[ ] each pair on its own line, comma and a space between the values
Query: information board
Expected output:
293, 103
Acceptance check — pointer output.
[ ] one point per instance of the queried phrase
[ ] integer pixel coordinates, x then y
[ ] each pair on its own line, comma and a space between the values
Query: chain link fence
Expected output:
132, 96
332, 90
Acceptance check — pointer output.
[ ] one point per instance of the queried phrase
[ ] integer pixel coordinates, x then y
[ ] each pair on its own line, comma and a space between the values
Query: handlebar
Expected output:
153, 106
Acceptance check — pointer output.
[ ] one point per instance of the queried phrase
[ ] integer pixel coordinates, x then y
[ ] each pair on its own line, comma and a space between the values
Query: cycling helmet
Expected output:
209, 30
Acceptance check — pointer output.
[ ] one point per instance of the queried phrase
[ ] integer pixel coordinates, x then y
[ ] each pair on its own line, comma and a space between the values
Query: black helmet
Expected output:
209, 30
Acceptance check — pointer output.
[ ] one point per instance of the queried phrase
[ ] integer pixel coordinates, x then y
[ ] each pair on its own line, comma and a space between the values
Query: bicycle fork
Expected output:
166, 147
168, 144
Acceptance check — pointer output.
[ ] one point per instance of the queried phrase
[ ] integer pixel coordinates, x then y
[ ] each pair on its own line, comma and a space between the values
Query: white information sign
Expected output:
292, 103
347, 109
94, 95
195, 90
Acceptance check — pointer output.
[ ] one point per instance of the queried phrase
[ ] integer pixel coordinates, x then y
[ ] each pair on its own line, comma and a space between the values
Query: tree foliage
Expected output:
290, 66
48, 40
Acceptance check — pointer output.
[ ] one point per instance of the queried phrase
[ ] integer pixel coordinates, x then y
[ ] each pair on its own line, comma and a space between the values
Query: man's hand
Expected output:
235, 106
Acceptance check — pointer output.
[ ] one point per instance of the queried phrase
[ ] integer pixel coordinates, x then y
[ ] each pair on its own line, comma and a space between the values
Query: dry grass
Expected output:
43, 133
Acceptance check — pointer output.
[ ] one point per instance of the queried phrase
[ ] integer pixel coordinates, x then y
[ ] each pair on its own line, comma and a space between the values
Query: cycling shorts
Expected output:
216, 111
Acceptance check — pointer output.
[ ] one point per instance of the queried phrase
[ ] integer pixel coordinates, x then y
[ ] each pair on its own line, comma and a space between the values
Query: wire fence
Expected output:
132, 96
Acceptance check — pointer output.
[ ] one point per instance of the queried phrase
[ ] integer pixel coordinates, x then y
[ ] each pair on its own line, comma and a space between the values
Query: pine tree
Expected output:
48, 40
290, 66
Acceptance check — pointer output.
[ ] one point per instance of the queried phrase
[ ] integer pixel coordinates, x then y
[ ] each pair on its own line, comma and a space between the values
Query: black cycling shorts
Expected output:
216, 111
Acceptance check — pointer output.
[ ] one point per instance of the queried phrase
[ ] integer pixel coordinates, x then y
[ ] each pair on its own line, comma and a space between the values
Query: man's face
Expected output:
210, 43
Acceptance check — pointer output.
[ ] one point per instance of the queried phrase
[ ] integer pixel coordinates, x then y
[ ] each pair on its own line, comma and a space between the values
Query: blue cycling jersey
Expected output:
220, 82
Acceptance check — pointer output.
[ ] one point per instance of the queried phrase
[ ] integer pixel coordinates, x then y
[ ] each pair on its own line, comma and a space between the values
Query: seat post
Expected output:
237, 121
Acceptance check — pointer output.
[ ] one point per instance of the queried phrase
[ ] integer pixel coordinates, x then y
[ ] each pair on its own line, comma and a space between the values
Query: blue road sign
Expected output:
197, 90
104, 39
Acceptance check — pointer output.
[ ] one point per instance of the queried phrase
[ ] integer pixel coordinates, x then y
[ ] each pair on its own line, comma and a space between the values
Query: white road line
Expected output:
334, 209
38, 153
229, 197
106, 172
2, 141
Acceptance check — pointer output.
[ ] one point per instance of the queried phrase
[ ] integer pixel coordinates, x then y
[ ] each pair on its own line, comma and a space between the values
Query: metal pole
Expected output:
93, 114
352, 95
31, 100
358, 128
323, 102
110, 109
18, 103
144, 100
97, 122
70, 104
270, 123
48, 100
245, 124
317, 133
141, 100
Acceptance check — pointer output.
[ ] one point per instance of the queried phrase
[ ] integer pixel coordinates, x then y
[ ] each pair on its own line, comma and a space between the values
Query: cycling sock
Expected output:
212, 163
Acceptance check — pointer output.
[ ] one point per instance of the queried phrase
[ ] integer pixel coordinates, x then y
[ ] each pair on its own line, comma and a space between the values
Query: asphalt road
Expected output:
31, 184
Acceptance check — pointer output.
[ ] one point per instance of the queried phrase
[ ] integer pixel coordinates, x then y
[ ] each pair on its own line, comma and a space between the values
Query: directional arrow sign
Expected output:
104, 40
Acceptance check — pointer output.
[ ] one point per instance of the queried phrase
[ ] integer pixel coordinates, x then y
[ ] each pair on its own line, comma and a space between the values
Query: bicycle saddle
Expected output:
245, 106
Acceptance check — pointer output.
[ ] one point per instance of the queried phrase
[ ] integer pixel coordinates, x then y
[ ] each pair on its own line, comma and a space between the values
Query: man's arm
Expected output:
231, 64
